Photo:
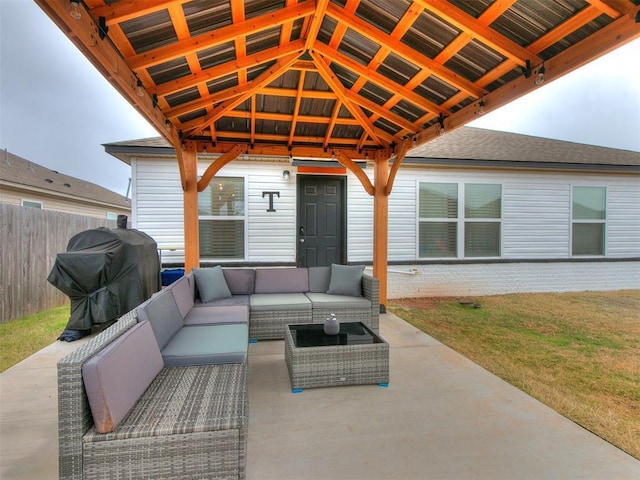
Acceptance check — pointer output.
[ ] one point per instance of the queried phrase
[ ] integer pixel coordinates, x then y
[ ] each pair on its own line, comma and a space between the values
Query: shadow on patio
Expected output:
441, 417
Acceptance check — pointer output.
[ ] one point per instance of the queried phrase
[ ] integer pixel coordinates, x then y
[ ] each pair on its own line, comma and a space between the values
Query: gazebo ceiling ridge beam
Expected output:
334, 83
316, 22
221, 35
379, 79
405, 51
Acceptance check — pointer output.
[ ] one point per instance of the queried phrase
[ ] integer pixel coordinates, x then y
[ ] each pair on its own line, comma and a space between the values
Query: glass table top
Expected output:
351, 333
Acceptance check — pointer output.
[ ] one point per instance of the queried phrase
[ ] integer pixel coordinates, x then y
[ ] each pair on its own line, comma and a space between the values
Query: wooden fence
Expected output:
29, 241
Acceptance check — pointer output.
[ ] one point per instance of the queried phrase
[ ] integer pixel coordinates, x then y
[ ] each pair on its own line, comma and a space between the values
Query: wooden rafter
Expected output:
220, 36
219, 104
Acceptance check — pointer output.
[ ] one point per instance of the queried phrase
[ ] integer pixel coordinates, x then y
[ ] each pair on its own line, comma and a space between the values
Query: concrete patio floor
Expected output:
442, 417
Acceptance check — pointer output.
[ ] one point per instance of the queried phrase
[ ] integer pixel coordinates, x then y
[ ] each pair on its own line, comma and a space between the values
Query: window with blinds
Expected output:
459, 220
221, 219
589, 214
438, 226
483, 215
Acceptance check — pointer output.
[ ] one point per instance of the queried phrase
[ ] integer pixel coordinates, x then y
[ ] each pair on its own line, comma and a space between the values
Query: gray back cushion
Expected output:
181, 291
282, 280
211, 283
319, 278
117, 376
241, 281
162, 312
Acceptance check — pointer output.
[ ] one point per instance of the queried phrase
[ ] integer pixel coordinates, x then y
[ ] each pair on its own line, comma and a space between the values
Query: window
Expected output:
447, 230
438, 211
588, 221
221, 219
483, 212
31, 204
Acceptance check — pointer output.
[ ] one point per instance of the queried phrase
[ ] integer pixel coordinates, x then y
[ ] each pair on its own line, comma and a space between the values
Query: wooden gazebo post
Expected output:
381, 223
187, 156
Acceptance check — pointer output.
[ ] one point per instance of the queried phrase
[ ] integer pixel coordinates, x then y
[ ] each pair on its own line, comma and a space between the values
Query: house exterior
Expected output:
31, 185
475, 212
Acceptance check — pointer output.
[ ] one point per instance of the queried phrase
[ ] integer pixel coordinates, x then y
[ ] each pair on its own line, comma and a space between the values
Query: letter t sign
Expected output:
270, 194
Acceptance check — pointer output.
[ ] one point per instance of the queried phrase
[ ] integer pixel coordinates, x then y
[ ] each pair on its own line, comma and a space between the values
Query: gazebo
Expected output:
347, 80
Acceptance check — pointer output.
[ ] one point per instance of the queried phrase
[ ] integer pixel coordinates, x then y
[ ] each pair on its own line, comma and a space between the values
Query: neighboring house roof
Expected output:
17, 172
472, 145
467, 146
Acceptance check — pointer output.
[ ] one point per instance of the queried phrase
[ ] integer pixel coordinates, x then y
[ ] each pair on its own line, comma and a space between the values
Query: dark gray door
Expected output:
321, 220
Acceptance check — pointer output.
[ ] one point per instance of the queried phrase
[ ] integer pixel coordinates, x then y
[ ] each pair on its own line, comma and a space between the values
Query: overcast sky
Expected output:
57, 110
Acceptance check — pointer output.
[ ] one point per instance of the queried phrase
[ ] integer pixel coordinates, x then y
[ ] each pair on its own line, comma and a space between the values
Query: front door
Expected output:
321, 220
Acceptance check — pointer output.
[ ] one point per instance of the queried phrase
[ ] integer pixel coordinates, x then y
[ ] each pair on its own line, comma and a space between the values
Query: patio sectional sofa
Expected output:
162, 393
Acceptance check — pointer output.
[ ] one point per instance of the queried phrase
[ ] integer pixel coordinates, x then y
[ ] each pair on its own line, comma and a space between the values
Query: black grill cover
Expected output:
106, 273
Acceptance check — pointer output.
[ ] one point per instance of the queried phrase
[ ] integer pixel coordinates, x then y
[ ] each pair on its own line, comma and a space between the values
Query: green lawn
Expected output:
25, 336
579, 353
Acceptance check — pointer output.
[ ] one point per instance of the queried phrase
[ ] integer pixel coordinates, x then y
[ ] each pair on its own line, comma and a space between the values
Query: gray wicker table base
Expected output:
336, 365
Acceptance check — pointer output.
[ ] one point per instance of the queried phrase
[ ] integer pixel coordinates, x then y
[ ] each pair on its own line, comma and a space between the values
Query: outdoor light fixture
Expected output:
441, 130
74, 10
139, 88
540, 76
286, 175
481, 107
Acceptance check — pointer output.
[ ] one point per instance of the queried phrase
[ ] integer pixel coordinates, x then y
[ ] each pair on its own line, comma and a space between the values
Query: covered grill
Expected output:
105, 273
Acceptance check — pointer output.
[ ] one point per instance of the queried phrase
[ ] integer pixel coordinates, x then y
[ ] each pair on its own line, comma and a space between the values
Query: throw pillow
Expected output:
346, 280
211, 284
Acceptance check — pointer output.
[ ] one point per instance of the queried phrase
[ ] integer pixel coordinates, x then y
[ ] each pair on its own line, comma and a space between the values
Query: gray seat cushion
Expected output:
325, 300
217, 315
235, 300
264, 302
207, 345
162, 312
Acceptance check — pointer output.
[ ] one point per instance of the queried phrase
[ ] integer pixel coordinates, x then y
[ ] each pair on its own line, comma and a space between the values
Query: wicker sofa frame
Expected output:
200, 434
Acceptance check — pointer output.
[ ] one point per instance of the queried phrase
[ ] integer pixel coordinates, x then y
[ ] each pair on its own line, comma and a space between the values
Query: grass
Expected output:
22, 337
579, 353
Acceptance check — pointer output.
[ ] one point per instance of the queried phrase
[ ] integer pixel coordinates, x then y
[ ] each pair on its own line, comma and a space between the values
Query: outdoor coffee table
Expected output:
355, 356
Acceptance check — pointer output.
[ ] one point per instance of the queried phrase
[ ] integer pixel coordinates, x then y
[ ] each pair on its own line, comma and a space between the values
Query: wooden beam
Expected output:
316, 22
334, 84
227, 68
296, 108
405, 51
106, 59
220, 36
217, 164
129, 9
617, 33
354, 168
381, 224
379, 79
480, 32
404, 147
261, 80
190, 194
380, 111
